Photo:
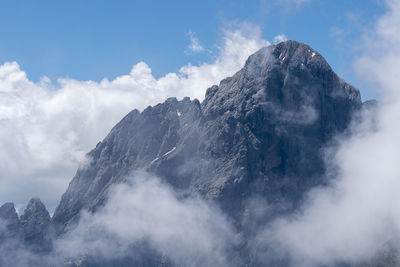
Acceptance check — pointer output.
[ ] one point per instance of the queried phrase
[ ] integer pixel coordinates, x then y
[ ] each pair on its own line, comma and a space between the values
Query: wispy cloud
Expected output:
279, 38
194, 46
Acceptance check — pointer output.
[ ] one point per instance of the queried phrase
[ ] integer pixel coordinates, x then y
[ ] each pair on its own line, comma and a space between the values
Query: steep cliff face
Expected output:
258, 134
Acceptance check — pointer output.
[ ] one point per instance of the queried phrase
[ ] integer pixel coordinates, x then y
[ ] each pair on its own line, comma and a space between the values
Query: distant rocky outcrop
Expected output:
36, 223
10, 226
32, 229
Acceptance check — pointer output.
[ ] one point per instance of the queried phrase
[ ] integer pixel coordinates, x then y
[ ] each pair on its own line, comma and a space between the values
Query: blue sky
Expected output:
90, 40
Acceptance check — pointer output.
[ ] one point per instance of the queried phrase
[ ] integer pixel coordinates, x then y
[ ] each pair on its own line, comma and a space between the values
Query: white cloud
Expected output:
46, 128
357, 216
189, 231
279, 38
381, 58
194, 45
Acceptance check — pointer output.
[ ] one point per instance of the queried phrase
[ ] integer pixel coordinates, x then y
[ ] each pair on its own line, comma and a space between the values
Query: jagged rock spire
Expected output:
36, 225
10, 225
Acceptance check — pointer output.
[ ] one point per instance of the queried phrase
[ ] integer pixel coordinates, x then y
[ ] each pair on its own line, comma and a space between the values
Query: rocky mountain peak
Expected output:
288, 76
288, 55
9, 222
35, 212
36, 225
7, 211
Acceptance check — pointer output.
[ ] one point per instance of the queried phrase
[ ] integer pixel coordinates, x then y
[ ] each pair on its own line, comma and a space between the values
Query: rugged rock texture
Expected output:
10, 226
127, 148
259, 133
267, 124
31, 229
36, 223
25, 241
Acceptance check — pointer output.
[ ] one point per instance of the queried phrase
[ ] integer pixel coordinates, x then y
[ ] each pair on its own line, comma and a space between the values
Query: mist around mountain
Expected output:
277, 166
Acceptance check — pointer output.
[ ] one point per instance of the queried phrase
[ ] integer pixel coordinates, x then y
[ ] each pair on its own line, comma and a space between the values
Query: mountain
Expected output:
258, 134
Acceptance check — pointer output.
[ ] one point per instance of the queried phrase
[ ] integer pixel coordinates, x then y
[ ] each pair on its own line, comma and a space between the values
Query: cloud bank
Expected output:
144, 221
46, 128
146, 212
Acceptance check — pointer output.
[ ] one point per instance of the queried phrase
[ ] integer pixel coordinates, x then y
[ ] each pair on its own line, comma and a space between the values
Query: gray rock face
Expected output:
127, 148
21, 236
268, 123
10, 226
258, 134
36, 223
